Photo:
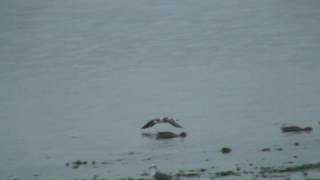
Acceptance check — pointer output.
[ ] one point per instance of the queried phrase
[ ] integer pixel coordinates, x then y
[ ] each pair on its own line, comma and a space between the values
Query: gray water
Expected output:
79, 78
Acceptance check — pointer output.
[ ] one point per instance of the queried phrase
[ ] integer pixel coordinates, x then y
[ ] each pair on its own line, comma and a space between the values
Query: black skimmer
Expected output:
155, 121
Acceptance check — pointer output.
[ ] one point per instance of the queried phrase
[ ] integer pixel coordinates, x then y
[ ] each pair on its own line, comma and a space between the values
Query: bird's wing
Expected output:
149, 124
175, 124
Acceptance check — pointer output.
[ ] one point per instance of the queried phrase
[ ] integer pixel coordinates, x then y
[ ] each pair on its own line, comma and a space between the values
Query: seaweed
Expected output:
296, 168
226, 173
190, 173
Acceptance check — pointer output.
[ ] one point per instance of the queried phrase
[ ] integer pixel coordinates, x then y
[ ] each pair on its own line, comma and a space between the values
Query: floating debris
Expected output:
76, 164
296, 168
226, 150
296, 129
133, 178
302, 167
265, 150
158, 175
79, 162
226, 173
256, 172
190, 173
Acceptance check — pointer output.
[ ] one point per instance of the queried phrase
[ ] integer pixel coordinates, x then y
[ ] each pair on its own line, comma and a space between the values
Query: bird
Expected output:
155, 121
158, 175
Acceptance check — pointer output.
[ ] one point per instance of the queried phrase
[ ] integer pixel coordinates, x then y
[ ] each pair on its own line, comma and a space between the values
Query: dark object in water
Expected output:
265, 149
226, 173
279, 149
296, 129
169, 135
159, 175
162, 176
193, 173
164, 135
155, 121
225, 150
294, 168
296, 144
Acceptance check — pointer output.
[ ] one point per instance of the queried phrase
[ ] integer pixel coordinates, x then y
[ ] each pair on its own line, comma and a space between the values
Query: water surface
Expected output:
79, 78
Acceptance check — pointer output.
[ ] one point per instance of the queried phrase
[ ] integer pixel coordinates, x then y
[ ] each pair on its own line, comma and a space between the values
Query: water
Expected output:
79, 78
